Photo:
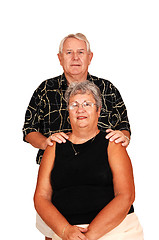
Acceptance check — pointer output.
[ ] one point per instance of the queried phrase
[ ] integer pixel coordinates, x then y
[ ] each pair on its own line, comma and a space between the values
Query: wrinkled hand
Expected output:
57, 137
74, 233
118, 137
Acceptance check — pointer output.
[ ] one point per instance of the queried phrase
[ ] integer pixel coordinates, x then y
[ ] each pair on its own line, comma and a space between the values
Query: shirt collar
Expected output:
89, 77
63, 80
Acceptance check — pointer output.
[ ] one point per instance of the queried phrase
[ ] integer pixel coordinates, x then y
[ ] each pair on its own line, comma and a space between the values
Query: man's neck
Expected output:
76, 77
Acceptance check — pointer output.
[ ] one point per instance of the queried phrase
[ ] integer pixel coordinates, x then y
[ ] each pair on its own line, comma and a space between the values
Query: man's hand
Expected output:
118, 137
57, 137
38, 140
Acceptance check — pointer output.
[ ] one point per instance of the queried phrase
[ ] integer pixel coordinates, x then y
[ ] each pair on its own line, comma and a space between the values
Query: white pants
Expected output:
128, 229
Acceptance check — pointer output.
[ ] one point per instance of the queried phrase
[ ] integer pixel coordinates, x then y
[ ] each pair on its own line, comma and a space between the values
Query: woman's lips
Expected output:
81, 117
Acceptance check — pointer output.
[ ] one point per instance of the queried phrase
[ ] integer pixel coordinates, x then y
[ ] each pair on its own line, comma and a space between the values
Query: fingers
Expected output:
118, 137
74, 233
84, 230
110, 134
123, 139
56, 137
49, 142
59, 137
109, 130
82, 236
126, 143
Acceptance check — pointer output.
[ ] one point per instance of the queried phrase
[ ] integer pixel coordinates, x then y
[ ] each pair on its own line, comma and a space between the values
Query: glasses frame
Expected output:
90, 105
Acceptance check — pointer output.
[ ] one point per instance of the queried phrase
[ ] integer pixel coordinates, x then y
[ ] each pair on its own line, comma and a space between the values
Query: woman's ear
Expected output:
99, 110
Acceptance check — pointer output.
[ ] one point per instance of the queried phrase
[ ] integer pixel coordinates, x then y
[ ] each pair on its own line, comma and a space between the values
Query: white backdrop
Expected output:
125, 41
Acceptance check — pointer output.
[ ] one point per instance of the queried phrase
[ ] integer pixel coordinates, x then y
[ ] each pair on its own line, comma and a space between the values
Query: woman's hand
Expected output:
74, 233
90, 235
118, 137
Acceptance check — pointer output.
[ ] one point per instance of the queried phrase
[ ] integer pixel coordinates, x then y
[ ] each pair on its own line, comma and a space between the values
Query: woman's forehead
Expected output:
82, 97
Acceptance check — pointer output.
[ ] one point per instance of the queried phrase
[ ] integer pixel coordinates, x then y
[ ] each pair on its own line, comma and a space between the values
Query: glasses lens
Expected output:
87, 104
73, 105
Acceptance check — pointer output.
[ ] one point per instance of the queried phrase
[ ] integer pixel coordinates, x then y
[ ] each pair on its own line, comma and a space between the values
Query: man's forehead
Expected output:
71, 43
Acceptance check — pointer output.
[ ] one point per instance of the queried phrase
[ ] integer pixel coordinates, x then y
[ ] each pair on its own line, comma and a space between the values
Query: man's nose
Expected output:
75, 55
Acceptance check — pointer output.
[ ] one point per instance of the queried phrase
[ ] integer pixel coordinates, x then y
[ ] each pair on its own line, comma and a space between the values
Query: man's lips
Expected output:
75, 65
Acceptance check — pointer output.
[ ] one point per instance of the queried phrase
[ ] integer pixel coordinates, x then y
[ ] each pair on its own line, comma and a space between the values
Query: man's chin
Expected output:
75, 73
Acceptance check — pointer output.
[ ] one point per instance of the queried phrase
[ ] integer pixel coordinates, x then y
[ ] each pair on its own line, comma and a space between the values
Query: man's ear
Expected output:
60, 58
90, 57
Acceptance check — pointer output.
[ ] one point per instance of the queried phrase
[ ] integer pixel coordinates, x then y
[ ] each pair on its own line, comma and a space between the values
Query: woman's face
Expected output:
83, 112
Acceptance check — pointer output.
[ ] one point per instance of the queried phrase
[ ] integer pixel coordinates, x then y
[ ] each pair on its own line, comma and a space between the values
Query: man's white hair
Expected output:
78, 36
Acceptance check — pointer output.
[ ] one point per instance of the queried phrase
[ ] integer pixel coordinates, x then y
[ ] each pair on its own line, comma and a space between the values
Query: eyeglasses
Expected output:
85, 105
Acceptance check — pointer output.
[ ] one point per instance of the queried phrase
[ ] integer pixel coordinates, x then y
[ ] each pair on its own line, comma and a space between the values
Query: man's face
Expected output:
74, 57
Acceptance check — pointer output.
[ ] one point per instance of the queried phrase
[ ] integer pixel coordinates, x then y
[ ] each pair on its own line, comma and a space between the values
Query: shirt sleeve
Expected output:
34, 113
120, 108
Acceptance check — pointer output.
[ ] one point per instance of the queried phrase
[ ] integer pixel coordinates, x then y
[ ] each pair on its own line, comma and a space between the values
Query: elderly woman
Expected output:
85, 187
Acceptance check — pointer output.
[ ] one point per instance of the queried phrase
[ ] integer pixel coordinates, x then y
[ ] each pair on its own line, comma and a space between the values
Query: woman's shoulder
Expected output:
116, 147
100, 140
102, 135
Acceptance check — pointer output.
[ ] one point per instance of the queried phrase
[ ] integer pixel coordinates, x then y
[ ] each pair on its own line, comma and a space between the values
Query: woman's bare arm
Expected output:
115, 212
42, 200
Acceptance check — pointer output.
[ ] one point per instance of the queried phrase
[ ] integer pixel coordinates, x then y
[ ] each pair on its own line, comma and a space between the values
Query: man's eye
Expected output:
69, 52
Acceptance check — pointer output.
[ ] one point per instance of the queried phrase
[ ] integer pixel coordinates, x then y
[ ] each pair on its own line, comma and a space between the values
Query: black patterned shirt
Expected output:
47, 111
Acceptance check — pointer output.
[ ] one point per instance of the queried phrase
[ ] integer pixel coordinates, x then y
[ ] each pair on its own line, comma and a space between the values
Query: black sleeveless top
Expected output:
82, 184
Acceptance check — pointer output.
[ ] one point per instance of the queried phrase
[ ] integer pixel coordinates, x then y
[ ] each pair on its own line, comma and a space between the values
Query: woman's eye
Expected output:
86, 104
75, 105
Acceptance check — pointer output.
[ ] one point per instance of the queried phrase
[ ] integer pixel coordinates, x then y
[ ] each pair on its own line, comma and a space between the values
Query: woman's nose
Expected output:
80, 108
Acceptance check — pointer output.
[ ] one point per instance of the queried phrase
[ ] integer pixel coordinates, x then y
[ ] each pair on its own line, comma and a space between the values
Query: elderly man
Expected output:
46, 117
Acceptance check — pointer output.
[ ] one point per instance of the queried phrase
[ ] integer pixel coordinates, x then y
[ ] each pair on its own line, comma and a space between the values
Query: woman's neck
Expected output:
82, 136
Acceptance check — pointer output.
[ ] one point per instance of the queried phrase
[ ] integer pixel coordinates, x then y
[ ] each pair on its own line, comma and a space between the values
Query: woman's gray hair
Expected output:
78, 36
82, 88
